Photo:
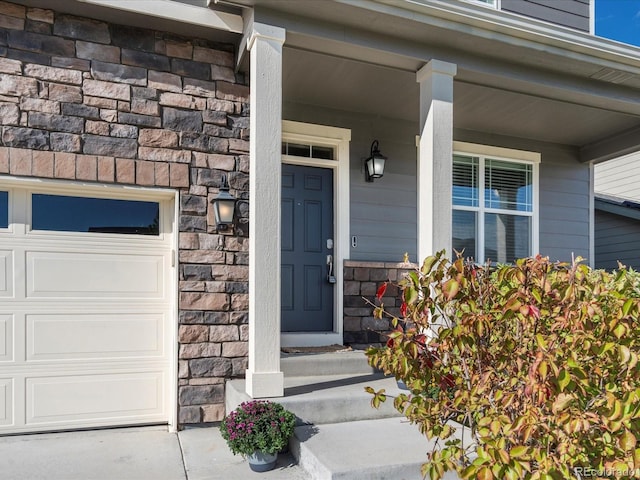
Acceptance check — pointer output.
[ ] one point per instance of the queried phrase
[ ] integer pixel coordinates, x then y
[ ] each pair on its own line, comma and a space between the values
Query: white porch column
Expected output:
435, 157
263, 377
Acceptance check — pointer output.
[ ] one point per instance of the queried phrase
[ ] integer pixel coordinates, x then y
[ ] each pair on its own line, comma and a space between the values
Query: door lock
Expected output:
330, 276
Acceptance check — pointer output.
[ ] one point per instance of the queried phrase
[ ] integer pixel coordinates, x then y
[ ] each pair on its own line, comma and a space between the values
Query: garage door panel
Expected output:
7, 273
95, 399
6, 338
94, 336
87, 329
82, 275
6, 401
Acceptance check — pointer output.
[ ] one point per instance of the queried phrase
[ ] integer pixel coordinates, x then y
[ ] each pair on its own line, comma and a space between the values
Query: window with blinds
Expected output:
493, 208
508, 185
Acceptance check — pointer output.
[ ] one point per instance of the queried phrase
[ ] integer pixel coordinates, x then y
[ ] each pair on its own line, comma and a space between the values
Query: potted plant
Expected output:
258, 430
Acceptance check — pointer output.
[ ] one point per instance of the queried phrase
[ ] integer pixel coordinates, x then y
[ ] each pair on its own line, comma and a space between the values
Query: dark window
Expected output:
325, 153
308, 151
81, 214
4, 209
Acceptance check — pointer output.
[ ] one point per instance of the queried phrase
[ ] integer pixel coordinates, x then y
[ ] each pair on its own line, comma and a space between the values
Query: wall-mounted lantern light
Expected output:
374, 165
224, 206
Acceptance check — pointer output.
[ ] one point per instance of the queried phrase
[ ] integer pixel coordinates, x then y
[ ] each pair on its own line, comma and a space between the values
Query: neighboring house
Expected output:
617, 212
123, 303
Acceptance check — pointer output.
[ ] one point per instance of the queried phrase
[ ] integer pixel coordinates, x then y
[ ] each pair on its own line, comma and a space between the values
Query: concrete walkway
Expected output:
144, 453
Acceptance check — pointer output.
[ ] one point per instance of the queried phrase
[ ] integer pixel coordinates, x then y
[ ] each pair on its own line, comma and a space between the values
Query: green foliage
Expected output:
534, 368
258, 425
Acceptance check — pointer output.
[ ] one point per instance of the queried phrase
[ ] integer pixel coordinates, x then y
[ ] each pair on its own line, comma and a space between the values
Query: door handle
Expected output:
330, 276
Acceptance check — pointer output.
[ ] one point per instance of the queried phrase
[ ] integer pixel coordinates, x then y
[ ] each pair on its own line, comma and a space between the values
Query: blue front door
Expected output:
307, 249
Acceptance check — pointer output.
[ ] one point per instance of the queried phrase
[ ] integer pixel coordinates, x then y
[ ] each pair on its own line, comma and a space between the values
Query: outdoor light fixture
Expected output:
374, 165
224, 206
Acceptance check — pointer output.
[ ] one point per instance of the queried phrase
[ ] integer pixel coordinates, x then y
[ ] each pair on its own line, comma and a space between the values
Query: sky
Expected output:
618, 20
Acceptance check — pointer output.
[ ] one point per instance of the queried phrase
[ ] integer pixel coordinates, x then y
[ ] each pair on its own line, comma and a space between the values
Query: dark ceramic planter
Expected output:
262, 462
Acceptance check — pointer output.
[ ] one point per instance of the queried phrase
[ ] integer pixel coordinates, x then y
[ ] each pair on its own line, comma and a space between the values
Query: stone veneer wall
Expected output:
361, 282
94, 102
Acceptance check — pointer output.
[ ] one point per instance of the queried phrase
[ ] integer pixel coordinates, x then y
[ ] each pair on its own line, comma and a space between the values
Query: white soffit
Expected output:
510, 28
181, 12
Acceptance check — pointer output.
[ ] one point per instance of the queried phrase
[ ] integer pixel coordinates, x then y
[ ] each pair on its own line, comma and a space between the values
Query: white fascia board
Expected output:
511, 29
180, 12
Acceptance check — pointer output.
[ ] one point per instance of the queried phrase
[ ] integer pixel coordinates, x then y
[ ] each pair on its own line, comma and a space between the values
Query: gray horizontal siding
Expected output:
564, 210
568, 13
383, 217
579, 228
617, 238
383, 213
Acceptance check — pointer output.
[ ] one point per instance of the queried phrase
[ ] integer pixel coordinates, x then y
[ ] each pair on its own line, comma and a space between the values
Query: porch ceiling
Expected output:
343, 84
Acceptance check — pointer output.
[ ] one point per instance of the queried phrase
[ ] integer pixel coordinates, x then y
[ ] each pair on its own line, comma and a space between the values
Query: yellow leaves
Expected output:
484, 474
564, 378
561, 402
636, 458
527, 432
484, 422
543, 369
410, 295
428, 264
573, 426
569, 293
503, 455
514, 305
616, 410
541, 342
495, 428
626, 308
519, 452
620, 330
481, 327
446, 432
627, 441
633, 361
378, 397
450, 288
624, 354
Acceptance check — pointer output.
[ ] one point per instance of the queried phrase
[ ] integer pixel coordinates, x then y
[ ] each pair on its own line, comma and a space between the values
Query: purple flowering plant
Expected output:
258, 425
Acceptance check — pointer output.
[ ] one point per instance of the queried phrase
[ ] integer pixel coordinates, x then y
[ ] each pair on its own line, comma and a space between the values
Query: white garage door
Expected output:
85, 306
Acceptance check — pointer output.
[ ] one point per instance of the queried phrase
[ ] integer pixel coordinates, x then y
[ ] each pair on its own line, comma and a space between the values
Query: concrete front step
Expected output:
382, 449
327, 398
336, 363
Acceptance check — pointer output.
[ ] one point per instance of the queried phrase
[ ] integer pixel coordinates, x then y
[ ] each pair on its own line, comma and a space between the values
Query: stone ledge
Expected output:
367, 264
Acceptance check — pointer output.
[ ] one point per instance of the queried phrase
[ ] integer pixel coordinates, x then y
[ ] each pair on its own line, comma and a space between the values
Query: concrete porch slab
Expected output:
380, 449
326, 398
207, 457
315, 364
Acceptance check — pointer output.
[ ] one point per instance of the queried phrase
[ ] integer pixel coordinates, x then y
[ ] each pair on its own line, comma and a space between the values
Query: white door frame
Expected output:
338, 138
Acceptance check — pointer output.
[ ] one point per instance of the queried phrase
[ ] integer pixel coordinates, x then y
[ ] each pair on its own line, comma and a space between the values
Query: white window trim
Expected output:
338, 138
507, 155
494, 5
